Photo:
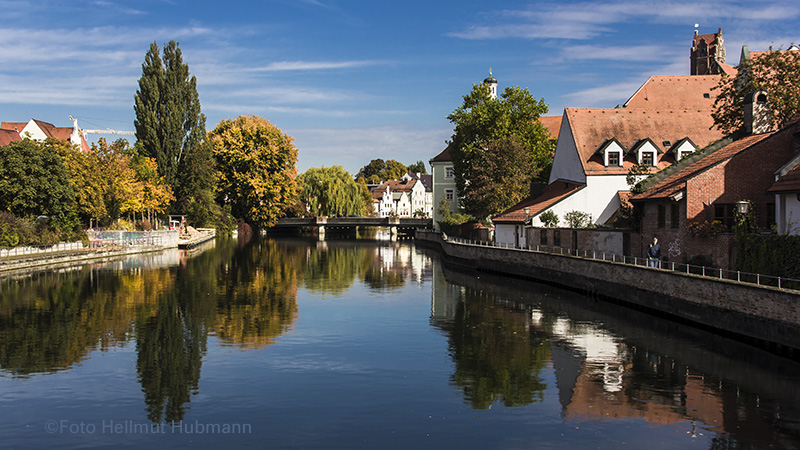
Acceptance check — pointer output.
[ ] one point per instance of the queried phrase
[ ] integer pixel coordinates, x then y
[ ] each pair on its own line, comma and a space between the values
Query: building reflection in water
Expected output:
613, 363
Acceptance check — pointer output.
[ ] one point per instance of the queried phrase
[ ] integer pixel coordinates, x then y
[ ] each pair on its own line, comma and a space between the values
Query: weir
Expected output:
767, 315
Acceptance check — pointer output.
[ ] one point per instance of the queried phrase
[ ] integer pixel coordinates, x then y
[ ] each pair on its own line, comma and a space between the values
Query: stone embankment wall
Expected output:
765, 314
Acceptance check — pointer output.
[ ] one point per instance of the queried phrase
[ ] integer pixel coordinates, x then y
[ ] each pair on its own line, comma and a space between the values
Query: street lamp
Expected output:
743, 206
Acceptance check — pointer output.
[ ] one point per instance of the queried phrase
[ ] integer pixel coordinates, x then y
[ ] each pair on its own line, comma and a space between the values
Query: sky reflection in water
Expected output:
368, 344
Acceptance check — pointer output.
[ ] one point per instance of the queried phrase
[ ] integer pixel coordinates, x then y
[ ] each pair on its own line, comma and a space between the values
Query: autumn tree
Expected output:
170, 127
504, 136
86, 178
777, 72
331, 191
256, 168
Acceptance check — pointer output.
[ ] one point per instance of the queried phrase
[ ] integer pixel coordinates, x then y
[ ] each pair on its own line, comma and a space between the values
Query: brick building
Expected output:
705, 188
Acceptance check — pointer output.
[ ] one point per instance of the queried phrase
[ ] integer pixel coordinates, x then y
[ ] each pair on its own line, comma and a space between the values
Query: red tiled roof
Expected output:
676, 182
8, 136
14, 126
676, 92
551, 194
552, 124
394, 186
788, 183
444, 156
591, 128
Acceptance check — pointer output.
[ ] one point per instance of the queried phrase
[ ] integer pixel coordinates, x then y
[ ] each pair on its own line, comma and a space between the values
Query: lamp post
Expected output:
743, 206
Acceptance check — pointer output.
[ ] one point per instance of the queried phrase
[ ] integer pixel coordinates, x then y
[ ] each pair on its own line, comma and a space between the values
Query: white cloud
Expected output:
627, 53
589, 19
281, 66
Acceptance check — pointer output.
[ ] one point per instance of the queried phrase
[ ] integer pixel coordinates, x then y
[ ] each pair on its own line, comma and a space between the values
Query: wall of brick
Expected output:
763, 313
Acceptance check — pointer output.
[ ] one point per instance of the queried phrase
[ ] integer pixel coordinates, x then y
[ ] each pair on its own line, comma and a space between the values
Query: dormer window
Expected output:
646, 152
611, 152
683, 148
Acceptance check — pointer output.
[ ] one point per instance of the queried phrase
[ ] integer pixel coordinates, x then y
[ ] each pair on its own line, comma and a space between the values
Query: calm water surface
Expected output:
289, 343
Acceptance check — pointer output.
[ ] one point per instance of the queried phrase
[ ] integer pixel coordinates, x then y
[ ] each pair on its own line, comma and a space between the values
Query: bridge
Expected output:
319, 224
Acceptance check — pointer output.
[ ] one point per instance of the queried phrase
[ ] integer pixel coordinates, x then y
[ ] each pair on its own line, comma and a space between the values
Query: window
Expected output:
648, 159
449, 172
613, 158
662, 216
543, 237
448, 194
724, 213
674, 216
666, 144
706, 95
557, 238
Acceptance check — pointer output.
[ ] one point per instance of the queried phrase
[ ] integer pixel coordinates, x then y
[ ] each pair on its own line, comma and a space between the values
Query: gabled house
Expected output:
422, 203
399, 197
39, 131
691, 208
596, 149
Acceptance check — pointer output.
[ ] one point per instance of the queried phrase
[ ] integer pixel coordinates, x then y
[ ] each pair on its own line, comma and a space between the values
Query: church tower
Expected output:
708, 53
492, 83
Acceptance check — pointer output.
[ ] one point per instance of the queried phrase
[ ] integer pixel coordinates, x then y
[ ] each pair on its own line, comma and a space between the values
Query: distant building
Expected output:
38, 130
708, 55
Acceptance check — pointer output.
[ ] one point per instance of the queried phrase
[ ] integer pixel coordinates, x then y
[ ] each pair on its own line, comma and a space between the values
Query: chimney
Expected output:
536, 189
757, 117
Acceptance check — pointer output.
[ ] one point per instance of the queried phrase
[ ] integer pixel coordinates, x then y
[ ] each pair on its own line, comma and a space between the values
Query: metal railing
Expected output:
40, 250
704, 271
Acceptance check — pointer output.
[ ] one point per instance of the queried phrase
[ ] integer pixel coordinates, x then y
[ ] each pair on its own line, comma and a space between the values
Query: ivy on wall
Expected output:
769, 255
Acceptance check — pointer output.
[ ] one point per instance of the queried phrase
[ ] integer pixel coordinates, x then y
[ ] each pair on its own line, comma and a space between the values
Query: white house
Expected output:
39, 131
401, 198
665, 120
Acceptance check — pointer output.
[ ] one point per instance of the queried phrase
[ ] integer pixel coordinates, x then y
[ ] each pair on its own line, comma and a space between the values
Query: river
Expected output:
291, 343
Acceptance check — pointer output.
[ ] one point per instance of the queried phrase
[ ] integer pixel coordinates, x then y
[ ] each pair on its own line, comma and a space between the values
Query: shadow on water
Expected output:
610, 362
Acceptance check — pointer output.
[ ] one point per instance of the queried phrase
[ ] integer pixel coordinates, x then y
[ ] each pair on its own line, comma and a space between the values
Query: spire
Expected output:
492, 83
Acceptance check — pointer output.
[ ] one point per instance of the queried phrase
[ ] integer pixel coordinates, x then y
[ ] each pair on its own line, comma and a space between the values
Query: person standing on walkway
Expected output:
654, 253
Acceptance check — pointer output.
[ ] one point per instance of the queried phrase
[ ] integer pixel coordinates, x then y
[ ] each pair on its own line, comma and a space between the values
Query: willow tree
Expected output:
256, 169
169, 125
331, 191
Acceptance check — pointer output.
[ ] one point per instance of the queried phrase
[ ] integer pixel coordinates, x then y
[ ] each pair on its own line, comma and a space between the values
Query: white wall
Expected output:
566, 161
599, 198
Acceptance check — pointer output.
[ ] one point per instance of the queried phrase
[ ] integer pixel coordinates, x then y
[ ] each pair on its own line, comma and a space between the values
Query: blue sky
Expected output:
356, 80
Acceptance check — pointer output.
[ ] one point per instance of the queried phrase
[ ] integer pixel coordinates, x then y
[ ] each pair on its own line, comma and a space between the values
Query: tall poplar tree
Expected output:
170, 127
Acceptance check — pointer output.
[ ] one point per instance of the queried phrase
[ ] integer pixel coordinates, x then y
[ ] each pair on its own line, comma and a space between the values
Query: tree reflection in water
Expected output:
497, 357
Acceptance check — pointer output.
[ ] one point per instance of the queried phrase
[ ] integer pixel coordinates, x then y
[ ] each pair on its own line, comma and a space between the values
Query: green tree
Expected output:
331, 191
34, 181
379, 170
777, 72
502, 174
549, 218
169, 124
484, 128
577, 219
256, 168
418, 167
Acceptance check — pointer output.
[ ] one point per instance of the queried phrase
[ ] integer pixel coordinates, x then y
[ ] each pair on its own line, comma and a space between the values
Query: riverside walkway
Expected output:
766, 315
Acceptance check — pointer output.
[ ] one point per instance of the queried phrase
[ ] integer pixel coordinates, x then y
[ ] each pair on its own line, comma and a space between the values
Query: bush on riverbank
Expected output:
20, 231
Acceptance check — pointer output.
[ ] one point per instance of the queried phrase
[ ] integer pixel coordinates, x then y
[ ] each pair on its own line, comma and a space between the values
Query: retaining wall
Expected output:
762, 313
